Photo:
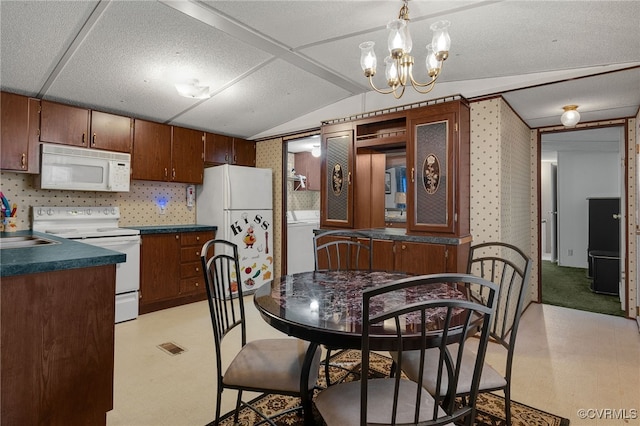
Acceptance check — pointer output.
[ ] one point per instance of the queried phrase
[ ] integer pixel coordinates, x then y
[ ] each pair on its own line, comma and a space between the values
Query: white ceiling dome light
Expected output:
570, 116
193, 89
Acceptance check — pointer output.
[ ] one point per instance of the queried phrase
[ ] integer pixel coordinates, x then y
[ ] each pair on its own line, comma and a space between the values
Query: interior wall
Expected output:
502, 164
582, 175
269, 156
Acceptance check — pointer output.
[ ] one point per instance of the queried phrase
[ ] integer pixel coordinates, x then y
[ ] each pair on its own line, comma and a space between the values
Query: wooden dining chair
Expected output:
510, 268
333, 251
417, 325
272, 366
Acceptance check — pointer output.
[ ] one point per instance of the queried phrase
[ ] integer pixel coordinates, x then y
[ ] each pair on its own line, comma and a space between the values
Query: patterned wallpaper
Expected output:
269, 155
501, 186
137, 207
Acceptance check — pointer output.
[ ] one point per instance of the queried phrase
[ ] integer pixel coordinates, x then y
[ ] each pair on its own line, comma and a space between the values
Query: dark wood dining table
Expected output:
325, 307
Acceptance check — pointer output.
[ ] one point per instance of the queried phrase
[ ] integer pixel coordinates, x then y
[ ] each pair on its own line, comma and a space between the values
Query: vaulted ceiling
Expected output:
277, 66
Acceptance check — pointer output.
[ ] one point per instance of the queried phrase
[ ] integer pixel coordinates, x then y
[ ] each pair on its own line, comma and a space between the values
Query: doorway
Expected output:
577, 165
301, 201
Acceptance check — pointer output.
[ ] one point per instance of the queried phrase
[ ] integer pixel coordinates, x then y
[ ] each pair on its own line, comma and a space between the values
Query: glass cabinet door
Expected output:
337, 187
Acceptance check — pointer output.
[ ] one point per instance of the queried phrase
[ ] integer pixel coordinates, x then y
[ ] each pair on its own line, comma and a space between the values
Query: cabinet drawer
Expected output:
192, 285
195, 238
192, 269
190, 254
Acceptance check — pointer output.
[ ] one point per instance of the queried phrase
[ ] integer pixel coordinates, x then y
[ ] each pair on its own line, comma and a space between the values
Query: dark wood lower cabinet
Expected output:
418, 258
57, 347
170, 271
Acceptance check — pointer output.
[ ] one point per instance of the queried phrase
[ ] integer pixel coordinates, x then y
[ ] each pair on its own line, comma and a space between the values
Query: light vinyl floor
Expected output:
566, 361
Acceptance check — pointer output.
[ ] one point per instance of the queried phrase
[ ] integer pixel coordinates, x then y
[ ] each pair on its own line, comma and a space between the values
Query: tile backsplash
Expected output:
139, 206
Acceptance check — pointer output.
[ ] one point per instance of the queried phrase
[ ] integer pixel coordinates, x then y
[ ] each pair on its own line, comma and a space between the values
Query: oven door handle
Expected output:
111, 241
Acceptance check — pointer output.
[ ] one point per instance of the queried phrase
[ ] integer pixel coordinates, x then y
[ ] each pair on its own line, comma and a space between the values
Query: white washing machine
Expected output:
300, 226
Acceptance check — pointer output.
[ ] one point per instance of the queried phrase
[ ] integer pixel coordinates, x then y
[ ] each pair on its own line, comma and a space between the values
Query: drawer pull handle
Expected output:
197, 253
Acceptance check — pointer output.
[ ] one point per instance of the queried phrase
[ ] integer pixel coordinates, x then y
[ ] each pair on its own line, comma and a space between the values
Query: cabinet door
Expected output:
383, 255
217, 149
244, 152
309, 166
111, 132
337, 186
151, 158
14, 139
159, 267
187, 155
438, 170
420, 258
64, 124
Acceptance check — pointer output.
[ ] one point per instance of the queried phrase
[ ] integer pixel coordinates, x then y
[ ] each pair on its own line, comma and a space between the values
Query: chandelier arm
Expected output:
395, 94
392, 90
417, 84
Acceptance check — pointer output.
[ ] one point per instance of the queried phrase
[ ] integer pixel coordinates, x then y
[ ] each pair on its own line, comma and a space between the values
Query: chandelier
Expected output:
399, 63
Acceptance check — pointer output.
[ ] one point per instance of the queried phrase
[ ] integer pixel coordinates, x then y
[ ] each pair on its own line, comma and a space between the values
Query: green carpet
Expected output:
569, 287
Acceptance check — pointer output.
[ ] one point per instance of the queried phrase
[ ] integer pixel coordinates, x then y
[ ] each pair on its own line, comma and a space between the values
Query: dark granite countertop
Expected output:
399, 234
166, 229
66, 254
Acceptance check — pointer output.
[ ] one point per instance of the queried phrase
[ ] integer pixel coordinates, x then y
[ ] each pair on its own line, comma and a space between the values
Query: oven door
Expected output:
127, 273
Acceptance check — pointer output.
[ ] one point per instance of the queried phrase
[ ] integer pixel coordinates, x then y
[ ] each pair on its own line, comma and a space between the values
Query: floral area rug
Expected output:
346, 366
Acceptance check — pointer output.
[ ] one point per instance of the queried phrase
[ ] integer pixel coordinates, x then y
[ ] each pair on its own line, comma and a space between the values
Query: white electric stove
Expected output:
98, 226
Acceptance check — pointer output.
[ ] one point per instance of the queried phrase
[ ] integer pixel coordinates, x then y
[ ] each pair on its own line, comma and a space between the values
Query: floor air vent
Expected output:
171, 348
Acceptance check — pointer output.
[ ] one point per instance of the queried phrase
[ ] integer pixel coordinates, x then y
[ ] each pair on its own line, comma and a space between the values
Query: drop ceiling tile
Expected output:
137, 51
273, 95
33, 38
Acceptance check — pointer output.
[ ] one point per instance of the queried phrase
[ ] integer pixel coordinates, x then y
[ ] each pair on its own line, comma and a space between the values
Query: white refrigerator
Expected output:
239, 201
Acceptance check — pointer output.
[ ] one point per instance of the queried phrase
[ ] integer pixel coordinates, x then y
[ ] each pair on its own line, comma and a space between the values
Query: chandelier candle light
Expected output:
399, 63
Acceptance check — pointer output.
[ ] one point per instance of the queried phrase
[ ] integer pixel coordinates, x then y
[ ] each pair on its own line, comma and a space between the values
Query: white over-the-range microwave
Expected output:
80, 169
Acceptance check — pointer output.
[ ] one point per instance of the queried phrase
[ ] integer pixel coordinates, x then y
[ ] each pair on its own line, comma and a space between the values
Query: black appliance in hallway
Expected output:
603, 249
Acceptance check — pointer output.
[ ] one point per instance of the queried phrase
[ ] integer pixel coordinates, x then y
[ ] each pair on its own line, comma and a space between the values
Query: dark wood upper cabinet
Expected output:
64, 124
438, 170
308, 166
71, 125
167, 153
151, 159
111, 132
244, 152
217, 149
222, 149
338, 164
187, 155
19, 133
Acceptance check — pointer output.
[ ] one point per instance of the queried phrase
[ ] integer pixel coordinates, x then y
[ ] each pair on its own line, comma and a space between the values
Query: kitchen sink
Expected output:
24, 241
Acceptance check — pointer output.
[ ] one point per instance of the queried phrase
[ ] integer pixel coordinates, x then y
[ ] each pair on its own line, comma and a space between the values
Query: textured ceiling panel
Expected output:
271, 62
262, 99
33, 38
137, 51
